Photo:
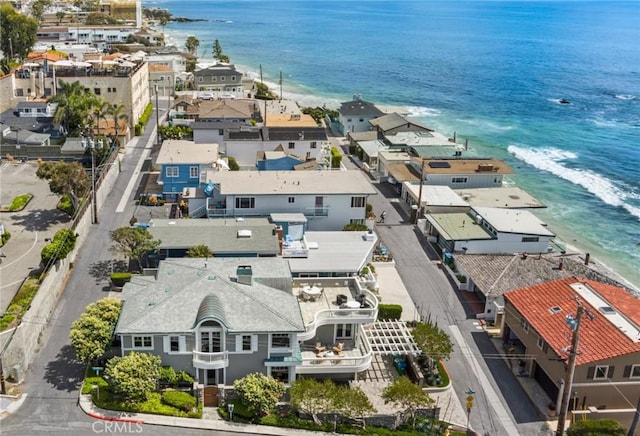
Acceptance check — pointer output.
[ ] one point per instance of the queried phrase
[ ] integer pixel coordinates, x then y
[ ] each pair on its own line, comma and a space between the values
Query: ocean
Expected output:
494, 72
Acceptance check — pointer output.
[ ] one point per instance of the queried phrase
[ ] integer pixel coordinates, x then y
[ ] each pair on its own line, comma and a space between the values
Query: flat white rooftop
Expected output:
179, 151
505, 196
435, 195
514, 221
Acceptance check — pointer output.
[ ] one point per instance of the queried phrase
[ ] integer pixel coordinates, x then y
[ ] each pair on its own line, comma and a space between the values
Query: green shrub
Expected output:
120, 278
389, 311
145, 115
20, 202
233, 163
66, 205
168, 375
185, 377
60, 246
5, 237
179, 400
138, 129
336, 158
20, 303
355, 227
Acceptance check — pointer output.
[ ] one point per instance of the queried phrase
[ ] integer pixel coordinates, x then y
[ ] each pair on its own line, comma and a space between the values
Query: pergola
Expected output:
390, 337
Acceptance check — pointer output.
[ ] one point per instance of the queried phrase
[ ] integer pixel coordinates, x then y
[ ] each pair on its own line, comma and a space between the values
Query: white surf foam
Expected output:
550, 160
422, 111
625, 97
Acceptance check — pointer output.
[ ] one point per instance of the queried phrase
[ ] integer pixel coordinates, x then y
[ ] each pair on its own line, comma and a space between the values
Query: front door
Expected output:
210, 397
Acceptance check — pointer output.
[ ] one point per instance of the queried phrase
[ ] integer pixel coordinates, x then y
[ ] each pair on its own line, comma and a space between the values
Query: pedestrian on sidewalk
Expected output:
383, 215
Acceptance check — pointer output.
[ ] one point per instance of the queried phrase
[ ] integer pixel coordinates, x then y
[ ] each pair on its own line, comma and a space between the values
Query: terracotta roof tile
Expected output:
599, 338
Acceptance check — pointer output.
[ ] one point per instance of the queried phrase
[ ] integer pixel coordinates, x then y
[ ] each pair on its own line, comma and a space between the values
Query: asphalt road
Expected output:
54, 377
501, 407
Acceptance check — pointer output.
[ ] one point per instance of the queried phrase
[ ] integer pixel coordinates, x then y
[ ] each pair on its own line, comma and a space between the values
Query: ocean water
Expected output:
494, 72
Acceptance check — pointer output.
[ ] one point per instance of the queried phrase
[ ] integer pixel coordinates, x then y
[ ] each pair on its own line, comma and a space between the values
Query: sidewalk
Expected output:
93, 411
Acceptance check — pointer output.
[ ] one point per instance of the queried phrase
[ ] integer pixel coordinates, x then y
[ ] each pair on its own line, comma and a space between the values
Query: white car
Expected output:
206, 96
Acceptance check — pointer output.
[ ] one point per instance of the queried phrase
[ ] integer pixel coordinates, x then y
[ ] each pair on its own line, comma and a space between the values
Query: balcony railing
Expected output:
210, 360
337, 364
361, 315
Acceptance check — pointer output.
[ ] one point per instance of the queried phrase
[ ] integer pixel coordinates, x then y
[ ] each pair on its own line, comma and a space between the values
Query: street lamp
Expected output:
230, 407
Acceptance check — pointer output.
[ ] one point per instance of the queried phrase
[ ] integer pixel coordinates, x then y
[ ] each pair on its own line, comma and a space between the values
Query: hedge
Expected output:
336, 158
179, 400
60, 246
120, 278
389, 311
145, 115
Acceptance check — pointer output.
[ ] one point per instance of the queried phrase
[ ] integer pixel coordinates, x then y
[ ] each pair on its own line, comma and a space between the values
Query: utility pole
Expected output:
470, 394
415, 221
155, 88
636, 418
574, 324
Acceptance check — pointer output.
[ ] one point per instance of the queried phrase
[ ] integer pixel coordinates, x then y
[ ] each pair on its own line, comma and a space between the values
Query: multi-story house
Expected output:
222, 318
219, 78
184, 165
354, 115
328, 199
162, 78
539, 322
212, 118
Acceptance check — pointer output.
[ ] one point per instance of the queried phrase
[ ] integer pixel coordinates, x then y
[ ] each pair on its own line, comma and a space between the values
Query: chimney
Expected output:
244, 274
278, 231
587, 257
561, 265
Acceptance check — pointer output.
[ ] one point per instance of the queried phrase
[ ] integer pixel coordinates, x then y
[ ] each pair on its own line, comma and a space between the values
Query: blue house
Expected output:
184, 164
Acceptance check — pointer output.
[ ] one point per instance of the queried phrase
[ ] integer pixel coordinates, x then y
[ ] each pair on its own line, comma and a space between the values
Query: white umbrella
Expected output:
64, 63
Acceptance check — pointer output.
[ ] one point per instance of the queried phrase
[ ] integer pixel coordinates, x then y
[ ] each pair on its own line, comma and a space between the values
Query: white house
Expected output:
464, 173
488, 230
328, 199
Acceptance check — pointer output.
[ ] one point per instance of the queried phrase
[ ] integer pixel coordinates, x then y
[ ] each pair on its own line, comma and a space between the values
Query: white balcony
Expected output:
324, 309
353, 360
210, 360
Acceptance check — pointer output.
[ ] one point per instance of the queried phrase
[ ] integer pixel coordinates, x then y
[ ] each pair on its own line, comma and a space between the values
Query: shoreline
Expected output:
306, 96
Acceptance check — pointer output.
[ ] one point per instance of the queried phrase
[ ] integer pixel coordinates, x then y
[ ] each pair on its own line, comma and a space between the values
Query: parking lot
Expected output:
29, 228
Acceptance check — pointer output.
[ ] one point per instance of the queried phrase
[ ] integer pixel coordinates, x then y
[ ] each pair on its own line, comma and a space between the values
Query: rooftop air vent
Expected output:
244, 233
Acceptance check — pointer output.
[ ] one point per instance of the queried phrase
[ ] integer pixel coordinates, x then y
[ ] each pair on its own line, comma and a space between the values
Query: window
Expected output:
634, 371
601, 372
222, 78
292, 145
356, 221
172, 172
194, 172
246, 343
245, 203
96, 91
280, 373
174, 343
358, 201
348, 120
142, 342
220, 132
458, 180
280, 340
200, 79
524, 324
292, 199
540, 343
361, 120
233, 78
344, 331
313, 144
530, 239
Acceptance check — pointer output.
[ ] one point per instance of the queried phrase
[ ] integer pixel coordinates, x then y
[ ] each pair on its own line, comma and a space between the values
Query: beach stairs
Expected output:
198, 212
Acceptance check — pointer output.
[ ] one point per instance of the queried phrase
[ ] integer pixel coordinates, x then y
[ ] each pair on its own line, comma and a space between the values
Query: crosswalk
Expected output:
13, 168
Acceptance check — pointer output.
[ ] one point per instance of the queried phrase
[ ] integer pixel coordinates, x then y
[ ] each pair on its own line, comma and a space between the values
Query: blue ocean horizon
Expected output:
494, 72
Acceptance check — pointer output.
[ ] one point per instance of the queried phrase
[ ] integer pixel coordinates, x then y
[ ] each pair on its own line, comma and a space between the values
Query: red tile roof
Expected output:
599, 338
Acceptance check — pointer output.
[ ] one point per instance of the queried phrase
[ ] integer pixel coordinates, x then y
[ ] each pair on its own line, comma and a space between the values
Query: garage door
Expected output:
545, 382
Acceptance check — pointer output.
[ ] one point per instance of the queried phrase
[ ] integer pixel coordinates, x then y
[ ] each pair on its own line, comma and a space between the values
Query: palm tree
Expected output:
117, 112
100, 111
192, 44
74, 105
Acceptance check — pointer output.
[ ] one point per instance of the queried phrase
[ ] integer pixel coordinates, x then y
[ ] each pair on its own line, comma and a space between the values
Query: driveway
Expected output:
29, 228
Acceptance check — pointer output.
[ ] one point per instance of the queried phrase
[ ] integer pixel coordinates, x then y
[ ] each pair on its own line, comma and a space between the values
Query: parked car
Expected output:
206, 96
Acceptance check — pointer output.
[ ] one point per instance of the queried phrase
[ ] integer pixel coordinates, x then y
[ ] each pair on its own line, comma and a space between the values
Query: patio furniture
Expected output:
351, 304
341, 299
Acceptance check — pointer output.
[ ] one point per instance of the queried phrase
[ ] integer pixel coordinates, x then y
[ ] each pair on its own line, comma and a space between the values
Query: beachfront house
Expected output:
184, 165
491, 275
354, 115
212, 118
488, 230
393, 123
219, 78
539, 322
328, 199
220, 319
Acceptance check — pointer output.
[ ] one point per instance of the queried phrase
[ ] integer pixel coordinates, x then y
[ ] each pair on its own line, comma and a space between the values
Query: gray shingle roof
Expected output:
359, 107
186, 291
